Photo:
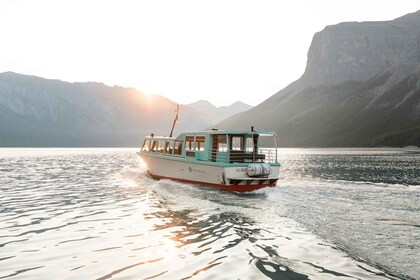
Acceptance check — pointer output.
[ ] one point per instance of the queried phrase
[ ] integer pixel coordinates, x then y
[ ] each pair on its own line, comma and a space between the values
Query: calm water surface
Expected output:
94, 214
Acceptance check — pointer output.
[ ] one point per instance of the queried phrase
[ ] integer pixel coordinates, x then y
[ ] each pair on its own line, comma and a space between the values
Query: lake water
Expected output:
94, 214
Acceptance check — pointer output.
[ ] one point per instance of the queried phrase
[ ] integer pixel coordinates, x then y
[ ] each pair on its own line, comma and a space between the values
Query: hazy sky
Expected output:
221, 51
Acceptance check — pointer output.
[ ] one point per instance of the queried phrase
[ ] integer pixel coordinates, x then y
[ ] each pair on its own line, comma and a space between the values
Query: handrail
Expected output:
267, 155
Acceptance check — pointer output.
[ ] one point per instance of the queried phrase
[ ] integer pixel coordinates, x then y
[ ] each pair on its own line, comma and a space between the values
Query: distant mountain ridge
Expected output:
216, 114
41, 112
360, 88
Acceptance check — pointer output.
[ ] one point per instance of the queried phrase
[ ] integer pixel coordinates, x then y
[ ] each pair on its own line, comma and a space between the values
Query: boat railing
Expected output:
268, 155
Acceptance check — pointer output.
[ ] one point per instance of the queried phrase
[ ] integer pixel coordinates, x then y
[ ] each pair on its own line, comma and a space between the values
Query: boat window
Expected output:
222, 143
153, 146
169, 147
161, 146
200, 142
178, 148
249, 145
237, 143
189, 142
146, 145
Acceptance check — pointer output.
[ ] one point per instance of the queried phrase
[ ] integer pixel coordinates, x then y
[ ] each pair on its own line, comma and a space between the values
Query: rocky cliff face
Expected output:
361, 87
40, 112
355, 51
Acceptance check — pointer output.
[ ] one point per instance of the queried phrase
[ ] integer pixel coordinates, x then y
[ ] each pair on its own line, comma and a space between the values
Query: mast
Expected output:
176, 118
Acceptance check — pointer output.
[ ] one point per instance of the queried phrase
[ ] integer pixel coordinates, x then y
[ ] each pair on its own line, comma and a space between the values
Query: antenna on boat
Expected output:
176, 118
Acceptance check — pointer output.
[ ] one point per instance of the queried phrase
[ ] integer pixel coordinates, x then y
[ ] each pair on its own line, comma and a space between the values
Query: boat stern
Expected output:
252, 176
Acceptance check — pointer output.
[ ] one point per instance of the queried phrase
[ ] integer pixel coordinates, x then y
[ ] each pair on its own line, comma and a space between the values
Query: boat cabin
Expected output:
216, 146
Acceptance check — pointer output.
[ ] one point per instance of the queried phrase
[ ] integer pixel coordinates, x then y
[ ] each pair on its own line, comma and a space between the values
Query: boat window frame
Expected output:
233, 146
224, 148
200, 143
189, 142
146, 145
153, 146
161, 146
169, 147
249, 144
178, 144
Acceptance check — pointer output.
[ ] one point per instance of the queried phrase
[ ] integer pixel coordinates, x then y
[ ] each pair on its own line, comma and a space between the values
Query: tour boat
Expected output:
240, 161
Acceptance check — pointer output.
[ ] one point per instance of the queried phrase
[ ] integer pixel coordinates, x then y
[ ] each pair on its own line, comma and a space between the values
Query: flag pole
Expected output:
176, 118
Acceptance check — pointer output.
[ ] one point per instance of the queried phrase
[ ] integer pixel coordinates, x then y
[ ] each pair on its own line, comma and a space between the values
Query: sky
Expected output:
188, 50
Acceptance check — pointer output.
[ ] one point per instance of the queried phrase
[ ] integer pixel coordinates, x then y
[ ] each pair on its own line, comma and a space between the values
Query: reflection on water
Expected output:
95, 214
218, 233
357, 165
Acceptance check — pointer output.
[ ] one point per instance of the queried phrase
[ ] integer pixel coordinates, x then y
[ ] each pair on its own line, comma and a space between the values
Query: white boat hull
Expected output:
232, 177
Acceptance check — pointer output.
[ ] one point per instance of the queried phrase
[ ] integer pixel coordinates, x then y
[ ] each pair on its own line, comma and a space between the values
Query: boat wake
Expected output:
70, 211
369, 221
284, 223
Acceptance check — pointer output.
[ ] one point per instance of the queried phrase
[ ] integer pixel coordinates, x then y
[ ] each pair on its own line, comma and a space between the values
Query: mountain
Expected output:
360, 88
216, 114
40, 112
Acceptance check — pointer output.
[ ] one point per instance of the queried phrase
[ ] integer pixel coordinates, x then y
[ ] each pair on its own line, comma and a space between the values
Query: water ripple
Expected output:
128, 267
96, 215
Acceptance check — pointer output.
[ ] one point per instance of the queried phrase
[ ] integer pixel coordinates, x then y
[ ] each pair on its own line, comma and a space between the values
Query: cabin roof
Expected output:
250, 132
211, 132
